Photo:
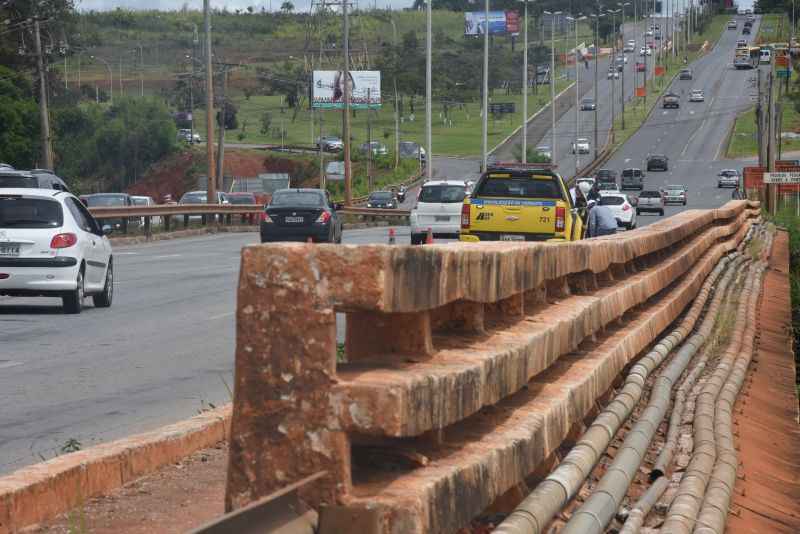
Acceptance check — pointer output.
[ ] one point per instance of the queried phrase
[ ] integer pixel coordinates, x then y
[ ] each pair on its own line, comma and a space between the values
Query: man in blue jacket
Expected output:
601, 220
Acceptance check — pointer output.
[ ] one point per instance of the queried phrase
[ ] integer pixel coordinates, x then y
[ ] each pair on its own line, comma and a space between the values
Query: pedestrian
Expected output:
594, 192
601, 220
586, 64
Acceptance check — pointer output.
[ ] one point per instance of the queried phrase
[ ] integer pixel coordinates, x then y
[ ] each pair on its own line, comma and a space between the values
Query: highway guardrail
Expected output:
463, 369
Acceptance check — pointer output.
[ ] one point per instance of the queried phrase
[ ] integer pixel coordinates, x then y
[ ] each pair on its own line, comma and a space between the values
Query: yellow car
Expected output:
514, 203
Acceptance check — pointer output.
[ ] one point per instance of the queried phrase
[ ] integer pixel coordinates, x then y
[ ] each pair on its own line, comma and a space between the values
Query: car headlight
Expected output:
369, 204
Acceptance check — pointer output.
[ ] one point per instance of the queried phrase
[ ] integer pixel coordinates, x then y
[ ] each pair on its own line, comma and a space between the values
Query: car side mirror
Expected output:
107, 229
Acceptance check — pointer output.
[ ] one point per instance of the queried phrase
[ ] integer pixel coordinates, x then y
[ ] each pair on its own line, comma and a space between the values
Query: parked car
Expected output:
674, 194
410, 149
299, 215
657, 162
670, 100
685, 74
330, 143
728, 178
622, 208
382, 200
438, 209
51, 246
587, 104
581, 146
35, 179
697, 95
650, 201
378, 149
632, 179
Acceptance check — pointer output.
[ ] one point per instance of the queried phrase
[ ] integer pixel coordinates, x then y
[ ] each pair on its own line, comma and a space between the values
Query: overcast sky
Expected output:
300, 5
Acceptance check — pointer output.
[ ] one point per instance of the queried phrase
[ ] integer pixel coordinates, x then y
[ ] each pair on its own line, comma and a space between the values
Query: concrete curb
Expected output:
42, 491
192, 232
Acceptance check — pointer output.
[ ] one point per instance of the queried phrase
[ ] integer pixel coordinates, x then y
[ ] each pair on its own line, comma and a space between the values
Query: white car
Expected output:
645, 51
581, 146
697, 95
612, 74
51, 246
621, 206
545, 151
438, 209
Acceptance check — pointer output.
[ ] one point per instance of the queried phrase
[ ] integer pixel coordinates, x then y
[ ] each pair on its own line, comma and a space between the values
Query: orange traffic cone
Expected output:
391, 236
429, 237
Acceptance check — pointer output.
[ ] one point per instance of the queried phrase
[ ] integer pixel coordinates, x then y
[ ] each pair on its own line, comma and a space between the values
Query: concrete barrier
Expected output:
42, 491
466, 365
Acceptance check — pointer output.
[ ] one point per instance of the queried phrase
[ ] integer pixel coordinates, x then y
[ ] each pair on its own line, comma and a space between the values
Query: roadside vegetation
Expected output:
788, 218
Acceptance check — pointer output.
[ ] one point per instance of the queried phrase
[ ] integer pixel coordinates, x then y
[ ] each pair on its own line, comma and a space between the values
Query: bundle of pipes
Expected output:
599, 509
538, 509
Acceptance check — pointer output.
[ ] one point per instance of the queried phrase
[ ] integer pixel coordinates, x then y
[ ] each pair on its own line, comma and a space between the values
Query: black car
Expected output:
382, 199
36, 179
605, 176
671, 100
657, 162
686, 74
587, 104
299, 215
746, 30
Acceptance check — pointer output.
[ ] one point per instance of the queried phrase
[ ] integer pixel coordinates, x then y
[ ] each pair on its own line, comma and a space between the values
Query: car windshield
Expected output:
444, 194
12, 180
241, 199
520, 187
22, 212
381, 196
300, 199
139, 201
674, 189
102, 201
611, 200
627, 173
409, 149
649, 194
194, 198
588, 101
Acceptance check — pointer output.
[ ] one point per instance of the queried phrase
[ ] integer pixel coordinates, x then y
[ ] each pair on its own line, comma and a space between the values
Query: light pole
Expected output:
553, 157
622, 78
110, 77
141, 69
485, 139
525, 86
596, 18
429, 95
577, 94
612, 63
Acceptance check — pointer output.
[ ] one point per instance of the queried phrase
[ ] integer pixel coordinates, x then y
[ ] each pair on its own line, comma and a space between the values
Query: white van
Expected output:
438, 209
766, 55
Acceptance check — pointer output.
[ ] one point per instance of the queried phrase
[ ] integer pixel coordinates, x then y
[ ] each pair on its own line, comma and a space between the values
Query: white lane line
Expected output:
163, 256
220, 316
125, 253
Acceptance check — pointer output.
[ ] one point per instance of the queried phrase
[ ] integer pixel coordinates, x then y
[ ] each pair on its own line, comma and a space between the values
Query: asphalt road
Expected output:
693, 136
162, 352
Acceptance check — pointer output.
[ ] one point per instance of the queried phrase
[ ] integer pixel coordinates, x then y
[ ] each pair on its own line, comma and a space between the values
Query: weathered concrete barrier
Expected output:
466, 365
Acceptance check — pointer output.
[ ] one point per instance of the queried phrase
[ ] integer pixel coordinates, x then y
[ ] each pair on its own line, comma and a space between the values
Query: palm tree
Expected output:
287, 7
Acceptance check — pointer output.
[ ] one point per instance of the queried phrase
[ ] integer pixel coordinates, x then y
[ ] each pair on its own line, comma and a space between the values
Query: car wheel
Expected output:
104, 299
661, 213
72, 302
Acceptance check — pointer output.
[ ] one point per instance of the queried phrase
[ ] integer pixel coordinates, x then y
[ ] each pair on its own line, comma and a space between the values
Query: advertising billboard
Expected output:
500, 22
328, 90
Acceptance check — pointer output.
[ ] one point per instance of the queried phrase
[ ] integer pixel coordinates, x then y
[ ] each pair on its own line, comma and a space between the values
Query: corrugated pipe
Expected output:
599, 509
689, 497
634, 519
714, 513
642, 507
534, 513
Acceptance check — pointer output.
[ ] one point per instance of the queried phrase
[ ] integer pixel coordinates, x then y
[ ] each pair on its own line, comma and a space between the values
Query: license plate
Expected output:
442, 218
293, 220
507, 237
9, 250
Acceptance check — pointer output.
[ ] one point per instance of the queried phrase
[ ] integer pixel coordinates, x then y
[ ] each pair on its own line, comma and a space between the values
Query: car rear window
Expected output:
627, 173
300, 199
443, 194
520, 187
8, 181
22, 212
98, 201
611, 201
194, 198
649, 194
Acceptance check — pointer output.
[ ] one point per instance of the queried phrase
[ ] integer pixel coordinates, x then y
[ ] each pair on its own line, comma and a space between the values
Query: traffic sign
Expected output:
782, 177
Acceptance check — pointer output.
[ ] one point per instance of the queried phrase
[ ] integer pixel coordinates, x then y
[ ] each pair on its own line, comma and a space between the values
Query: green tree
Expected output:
19, 120
287, 7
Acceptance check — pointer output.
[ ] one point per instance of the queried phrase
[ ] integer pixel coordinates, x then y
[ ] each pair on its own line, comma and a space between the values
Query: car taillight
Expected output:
63, 240
465, 216
626, 207
561, 214
265, 217
324, 217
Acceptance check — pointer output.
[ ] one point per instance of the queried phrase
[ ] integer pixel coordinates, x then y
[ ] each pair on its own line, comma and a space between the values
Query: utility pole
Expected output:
44, 114
485, 139
369, 141
622, 78
553, 158
596, 53
612, 62
348, 178
396, 103
223, 115
212, 179
577, 98
525, 85
428, 92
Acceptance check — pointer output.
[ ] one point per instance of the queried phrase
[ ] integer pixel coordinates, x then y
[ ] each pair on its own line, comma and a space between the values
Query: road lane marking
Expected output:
220, 316
163, 256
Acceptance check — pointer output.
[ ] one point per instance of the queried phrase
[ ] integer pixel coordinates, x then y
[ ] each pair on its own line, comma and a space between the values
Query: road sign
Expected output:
782, 177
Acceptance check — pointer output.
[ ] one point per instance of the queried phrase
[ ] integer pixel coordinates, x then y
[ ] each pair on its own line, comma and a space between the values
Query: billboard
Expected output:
328, 90
500, 22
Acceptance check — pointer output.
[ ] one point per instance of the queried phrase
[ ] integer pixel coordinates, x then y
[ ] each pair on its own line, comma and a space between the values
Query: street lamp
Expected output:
485, 138
577, 94
110, 77
525, 87
612, 64
622, 78
596, 18
428, 92
553, 157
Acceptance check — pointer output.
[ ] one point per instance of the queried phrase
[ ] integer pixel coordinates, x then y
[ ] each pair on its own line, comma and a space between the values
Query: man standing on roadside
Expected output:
601, 220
